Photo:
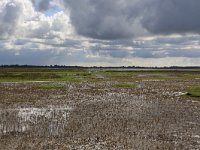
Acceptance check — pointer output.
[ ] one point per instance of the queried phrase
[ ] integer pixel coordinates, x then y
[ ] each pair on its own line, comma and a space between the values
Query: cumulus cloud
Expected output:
9, 17
99, 32
19, 19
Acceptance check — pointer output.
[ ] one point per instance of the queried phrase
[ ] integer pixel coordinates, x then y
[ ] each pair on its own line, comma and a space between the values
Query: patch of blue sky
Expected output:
52, 11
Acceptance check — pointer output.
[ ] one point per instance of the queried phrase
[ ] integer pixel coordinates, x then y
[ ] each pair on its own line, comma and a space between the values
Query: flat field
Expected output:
93, 109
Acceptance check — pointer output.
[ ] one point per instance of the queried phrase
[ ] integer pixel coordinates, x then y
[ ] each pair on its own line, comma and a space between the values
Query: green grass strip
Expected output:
194, 91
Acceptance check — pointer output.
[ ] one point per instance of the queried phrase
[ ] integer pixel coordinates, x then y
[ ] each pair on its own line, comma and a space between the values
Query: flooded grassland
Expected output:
100, 110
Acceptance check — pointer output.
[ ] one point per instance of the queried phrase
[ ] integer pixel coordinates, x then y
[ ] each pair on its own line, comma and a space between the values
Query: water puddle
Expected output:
49, 121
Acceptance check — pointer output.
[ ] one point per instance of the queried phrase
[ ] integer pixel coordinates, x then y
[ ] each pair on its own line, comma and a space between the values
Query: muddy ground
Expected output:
93, 116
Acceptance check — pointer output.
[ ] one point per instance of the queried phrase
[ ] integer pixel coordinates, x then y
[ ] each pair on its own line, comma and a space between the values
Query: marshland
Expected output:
93, 109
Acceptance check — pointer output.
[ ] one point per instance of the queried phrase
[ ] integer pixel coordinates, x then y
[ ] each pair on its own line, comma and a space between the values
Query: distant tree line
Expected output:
100, 67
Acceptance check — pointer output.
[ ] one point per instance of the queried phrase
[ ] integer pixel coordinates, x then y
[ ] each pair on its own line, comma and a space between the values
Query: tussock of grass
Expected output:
194, 91
48, 87
124, 85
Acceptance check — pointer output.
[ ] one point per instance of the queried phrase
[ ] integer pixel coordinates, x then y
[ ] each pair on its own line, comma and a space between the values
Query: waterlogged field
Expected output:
61, 109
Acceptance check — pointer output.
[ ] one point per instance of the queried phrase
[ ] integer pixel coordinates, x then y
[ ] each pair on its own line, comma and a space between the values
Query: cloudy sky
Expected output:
100, 32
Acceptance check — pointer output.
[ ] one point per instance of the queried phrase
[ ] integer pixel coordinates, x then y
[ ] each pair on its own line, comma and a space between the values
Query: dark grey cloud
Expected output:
177, 41
172, 16
72, 52
41, 5
67, 43
111, 51
160, 47
104, 19
44, 5
24, 57
45, 57
115, 19
152, 53
20, 41
147, 53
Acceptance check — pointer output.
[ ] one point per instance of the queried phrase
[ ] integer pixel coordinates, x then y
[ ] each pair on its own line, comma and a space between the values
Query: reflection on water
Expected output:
50, 121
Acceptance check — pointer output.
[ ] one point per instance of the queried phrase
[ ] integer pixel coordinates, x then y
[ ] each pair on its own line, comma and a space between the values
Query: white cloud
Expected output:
19, 19
27, 33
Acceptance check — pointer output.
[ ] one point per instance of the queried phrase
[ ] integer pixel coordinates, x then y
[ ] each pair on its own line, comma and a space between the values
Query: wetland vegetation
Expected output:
62, 109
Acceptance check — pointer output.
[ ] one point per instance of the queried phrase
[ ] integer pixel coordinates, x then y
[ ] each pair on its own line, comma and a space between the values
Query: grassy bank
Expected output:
194, 91
91, 75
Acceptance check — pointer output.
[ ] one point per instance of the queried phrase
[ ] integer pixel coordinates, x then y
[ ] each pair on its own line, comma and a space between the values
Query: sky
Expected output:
100, 32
